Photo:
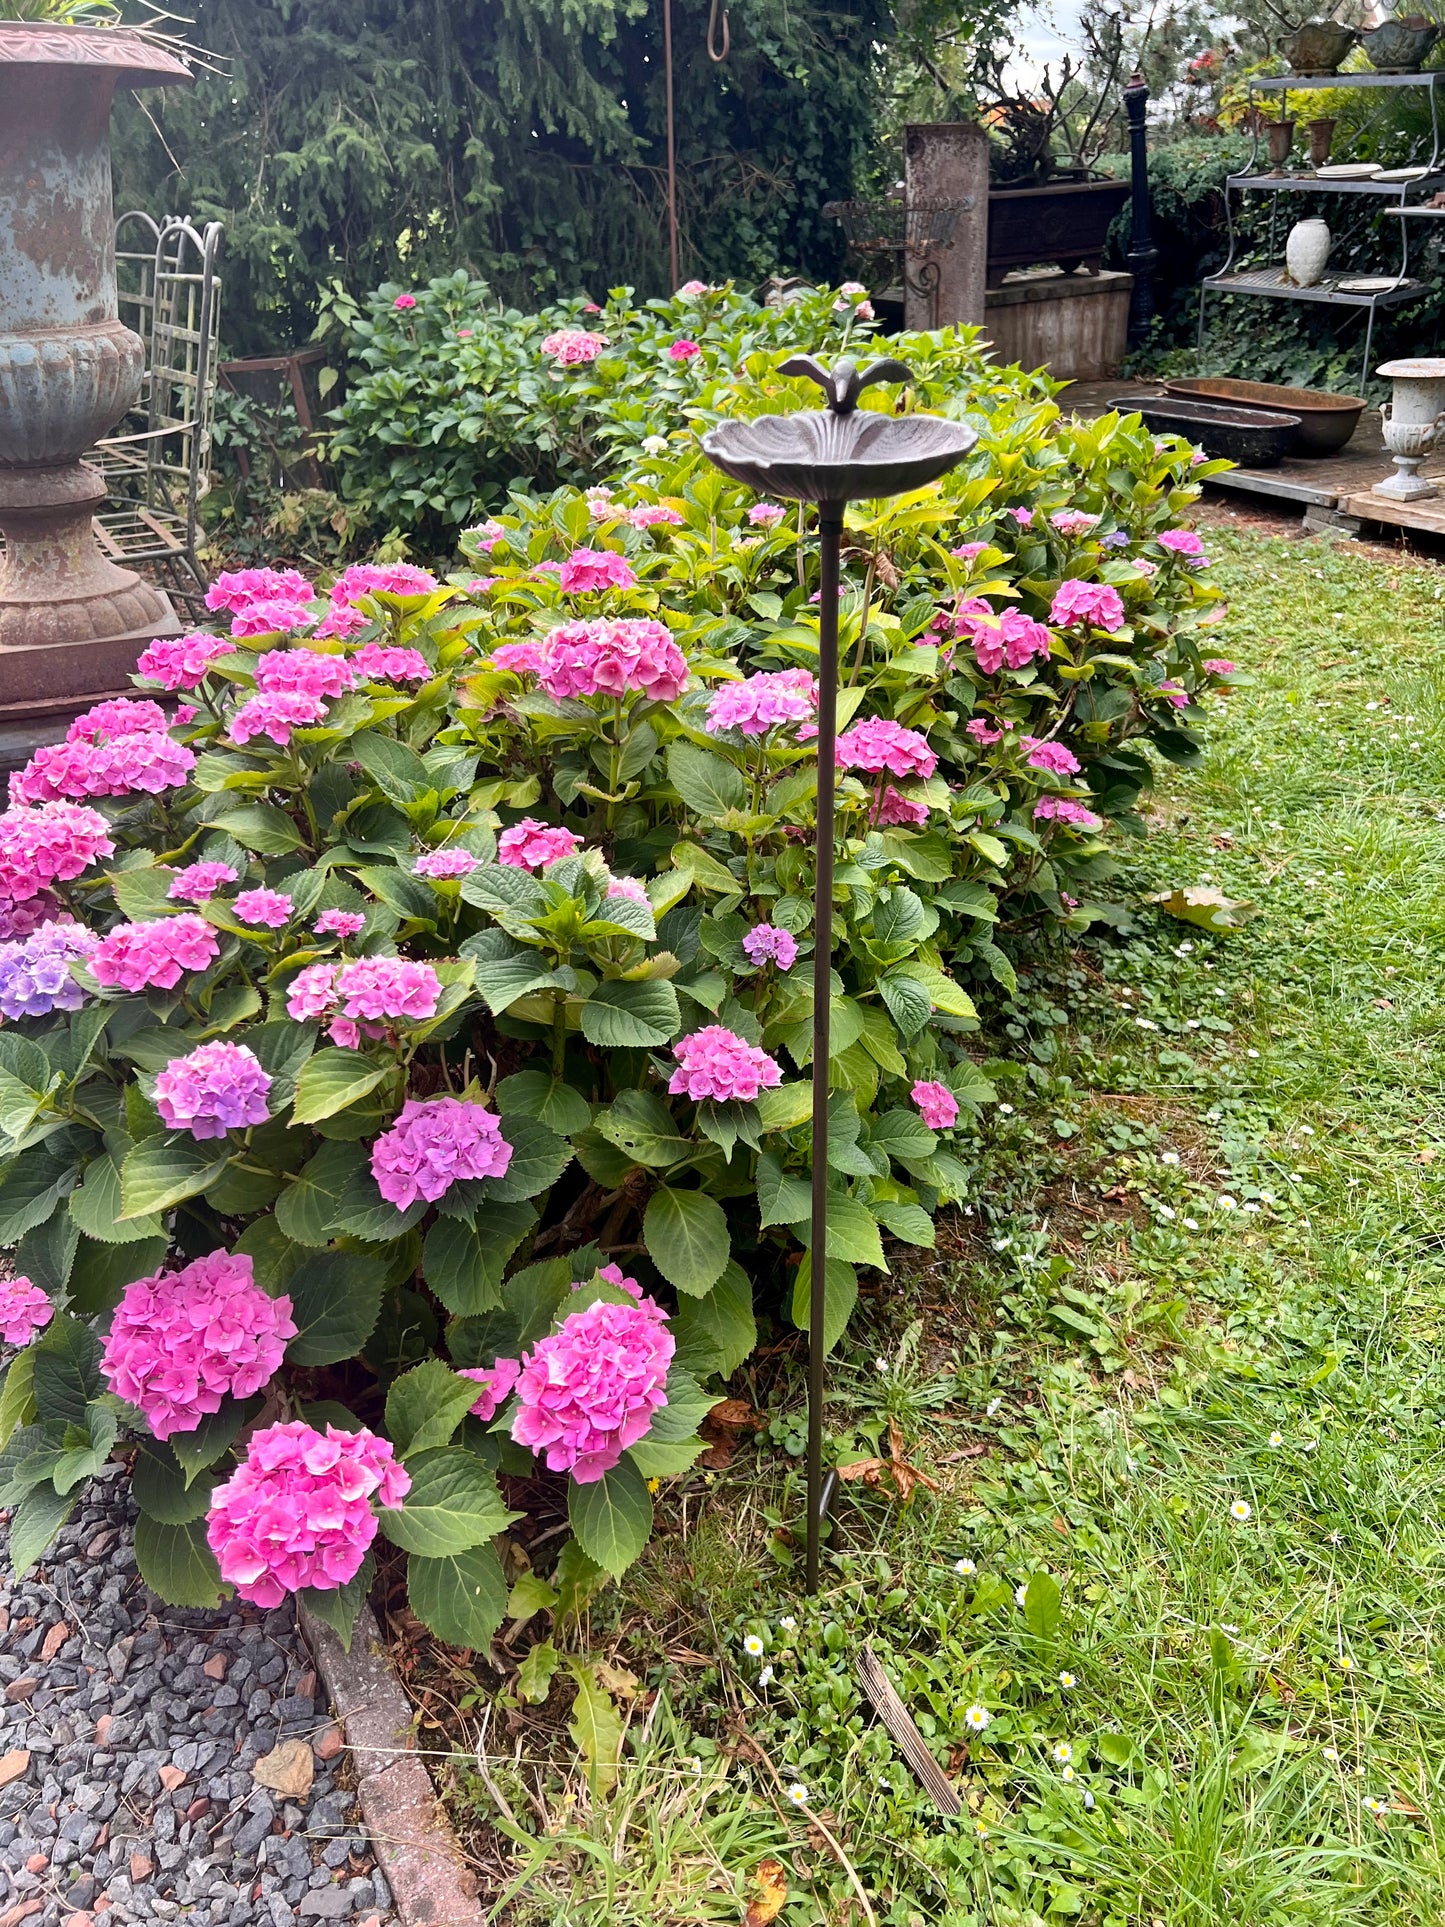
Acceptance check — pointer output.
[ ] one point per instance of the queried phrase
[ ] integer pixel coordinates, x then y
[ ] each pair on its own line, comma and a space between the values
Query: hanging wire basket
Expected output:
881, 227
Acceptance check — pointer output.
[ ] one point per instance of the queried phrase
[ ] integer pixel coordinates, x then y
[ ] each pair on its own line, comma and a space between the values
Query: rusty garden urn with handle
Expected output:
71, 621
830, 457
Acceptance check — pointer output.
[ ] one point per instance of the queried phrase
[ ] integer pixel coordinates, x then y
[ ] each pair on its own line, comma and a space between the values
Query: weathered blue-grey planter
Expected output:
71, 622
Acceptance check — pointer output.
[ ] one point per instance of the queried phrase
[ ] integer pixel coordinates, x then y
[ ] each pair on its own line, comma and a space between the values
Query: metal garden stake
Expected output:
831, 456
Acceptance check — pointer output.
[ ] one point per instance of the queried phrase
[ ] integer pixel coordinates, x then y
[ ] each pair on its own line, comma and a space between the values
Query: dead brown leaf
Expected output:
771, 1880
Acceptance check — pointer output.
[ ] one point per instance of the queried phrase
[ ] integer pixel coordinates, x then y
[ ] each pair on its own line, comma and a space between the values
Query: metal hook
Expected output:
712, 32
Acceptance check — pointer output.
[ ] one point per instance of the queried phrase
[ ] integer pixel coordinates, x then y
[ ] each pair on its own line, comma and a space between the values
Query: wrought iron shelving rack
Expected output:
1393, 196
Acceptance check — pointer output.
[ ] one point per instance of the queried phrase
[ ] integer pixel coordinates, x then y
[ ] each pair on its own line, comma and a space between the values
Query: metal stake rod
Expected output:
830, 528
671, 147
1143, 256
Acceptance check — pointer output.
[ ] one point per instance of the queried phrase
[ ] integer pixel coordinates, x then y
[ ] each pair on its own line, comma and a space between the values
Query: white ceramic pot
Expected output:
1411, 422
1307, 252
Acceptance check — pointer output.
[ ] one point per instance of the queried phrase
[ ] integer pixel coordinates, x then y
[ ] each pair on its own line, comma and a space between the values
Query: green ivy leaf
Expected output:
612, 1516
461, 1596
686, 1235
535, 1674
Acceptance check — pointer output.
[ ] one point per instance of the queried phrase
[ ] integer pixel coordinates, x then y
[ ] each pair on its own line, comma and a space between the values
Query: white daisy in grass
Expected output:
976, 1718
965, 1568
1240, 1511
753, 1646
1063, 1752
798, 1794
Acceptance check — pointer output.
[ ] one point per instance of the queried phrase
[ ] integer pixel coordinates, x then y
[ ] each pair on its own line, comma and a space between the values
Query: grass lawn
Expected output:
1169, 1617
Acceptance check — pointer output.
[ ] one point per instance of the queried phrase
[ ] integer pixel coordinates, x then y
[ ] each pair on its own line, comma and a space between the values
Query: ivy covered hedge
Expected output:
447, 946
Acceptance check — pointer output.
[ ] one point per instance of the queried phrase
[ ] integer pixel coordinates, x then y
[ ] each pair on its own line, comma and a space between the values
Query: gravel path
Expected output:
128, 1734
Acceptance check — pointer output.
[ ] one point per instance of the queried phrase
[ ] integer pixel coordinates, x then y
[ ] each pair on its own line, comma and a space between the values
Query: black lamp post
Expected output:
831, 456
1143, 256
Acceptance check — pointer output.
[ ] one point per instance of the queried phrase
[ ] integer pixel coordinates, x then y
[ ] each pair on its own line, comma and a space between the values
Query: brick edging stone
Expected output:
431, 1884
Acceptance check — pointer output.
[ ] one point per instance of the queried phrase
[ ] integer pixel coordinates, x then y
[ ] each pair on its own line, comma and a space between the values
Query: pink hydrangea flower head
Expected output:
271, 617
496, 1382
690, 290
763, 702
766, 515
304, 672
631, 888
878, 743
653, 515
1094, 603
573, 347
185, 713
765, 943
1050, 756
239, 588
219, 1087
897, 810
404, 301
341, 623
532, 845
983, 732
611, 659
339, 923
24, 1310
716, 1063
35, 974
182, 1341
937, 1105
487, 535
270, 908
1220, 666
1009, 638
450, 862
1174, 692
434, 1144
1181, 542
147, 761
121, 716
381, 989
23, 919
1062, 809
297, 1512
182, 662
588, 570
968, 551
521, 658
199, 882
683, 350
377, 663
591, 1389
381, 578
154, 955
1073, 521
1145, 568
275, 716
311, 994
51, 843
1024, 517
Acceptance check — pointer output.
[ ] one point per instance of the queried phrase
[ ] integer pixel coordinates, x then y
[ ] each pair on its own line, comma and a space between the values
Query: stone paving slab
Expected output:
128, 1734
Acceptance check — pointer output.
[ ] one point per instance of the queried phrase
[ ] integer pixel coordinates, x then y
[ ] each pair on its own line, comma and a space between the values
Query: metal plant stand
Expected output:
831, 457
916, 232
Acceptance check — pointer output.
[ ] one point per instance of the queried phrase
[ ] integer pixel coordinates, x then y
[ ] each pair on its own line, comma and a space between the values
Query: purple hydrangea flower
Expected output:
766, 943
220, 1087
35, 974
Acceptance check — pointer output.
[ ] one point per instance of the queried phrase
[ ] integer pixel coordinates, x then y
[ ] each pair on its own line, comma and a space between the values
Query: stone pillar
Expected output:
948, 161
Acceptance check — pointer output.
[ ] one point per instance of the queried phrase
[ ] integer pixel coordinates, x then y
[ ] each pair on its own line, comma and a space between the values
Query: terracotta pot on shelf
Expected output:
1279, 134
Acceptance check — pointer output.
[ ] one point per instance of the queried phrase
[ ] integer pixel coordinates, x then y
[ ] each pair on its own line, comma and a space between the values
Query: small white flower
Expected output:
1021, 1593
1241, 1510
1166, 1211
788, 1623
1168, 1157
1227, 1203
965, 1568
1310, 1445
976, 1718
1332, 1753
1377, 1807
1063, 1752
880, 1365
765, 1677
884, 1785
1068, 1774
1066, 1680
1346, 1663
1191, 1023
1146, 1023
654, 445
1190, 1224
1336, 1539
1249, 1205
1307, 1130
1251, 1053
992, 1407
798, 1794
980, 1829
1213, 1117
1005, 1110
1233, 1631
695, 1766
753, 1646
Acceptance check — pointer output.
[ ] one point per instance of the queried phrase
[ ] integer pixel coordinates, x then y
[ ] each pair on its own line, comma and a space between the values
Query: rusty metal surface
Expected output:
128, 58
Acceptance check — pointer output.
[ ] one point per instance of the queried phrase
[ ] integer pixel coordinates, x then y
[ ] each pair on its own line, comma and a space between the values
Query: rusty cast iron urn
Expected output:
831, 457
71, 622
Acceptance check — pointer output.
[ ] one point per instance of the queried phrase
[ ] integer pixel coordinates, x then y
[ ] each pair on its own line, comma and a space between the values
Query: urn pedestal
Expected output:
71, 622
1412, 421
